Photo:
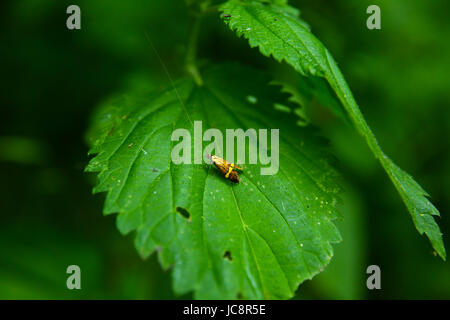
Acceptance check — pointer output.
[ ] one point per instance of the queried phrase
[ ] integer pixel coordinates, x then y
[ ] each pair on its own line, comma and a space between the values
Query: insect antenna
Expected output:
169, 77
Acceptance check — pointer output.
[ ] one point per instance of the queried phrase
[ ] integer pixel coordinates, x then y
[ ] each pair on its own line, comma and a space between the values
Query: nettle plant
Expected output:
259, 238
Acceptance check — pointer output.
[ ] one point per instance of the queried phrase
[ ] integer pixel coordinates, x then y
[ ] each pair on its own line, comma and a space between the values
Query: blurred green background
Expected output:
52, 79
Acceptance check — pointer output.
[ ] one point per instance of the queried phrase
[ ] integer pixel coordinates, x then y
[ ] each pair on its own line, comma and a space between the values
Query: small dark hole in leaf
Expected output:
184, 212
227, 255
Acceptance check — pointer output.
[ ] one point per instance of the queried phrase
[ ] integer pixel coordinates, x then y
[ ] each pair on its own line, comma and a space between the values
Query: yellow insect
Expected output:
227, 168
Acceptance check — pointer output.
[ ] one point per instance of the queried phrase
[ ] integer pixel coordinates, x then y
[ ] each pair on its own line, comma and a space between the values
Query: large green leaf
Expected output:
285, 37
259, 238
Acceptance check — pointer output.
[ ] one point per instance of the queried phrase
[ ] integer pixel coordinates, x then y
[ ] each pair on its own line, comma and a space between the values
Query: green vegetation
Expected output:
141, 76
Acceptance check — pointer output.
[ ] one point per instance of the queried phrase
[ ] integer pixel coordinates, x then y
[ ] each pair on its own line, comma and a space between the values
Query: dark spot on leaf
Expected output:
184, 213
239, 296
155, 170
307, 206
227, 255
275, 19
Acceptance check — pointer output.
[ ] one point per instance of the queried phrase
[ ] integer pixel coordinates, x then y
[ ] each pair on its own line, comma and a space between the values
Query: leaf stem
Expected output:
191, 66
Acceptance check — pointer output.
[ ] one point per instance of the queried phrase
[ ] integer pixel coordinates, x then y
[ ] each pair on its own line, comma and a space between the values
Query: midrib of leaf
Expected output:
338, 83
203, 224
284, 218
249, 243
313, 58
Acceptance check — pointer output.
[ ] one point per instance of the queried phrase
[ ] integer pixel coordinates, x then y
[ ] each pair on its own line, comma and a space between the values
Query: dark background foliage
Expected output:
53, 78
